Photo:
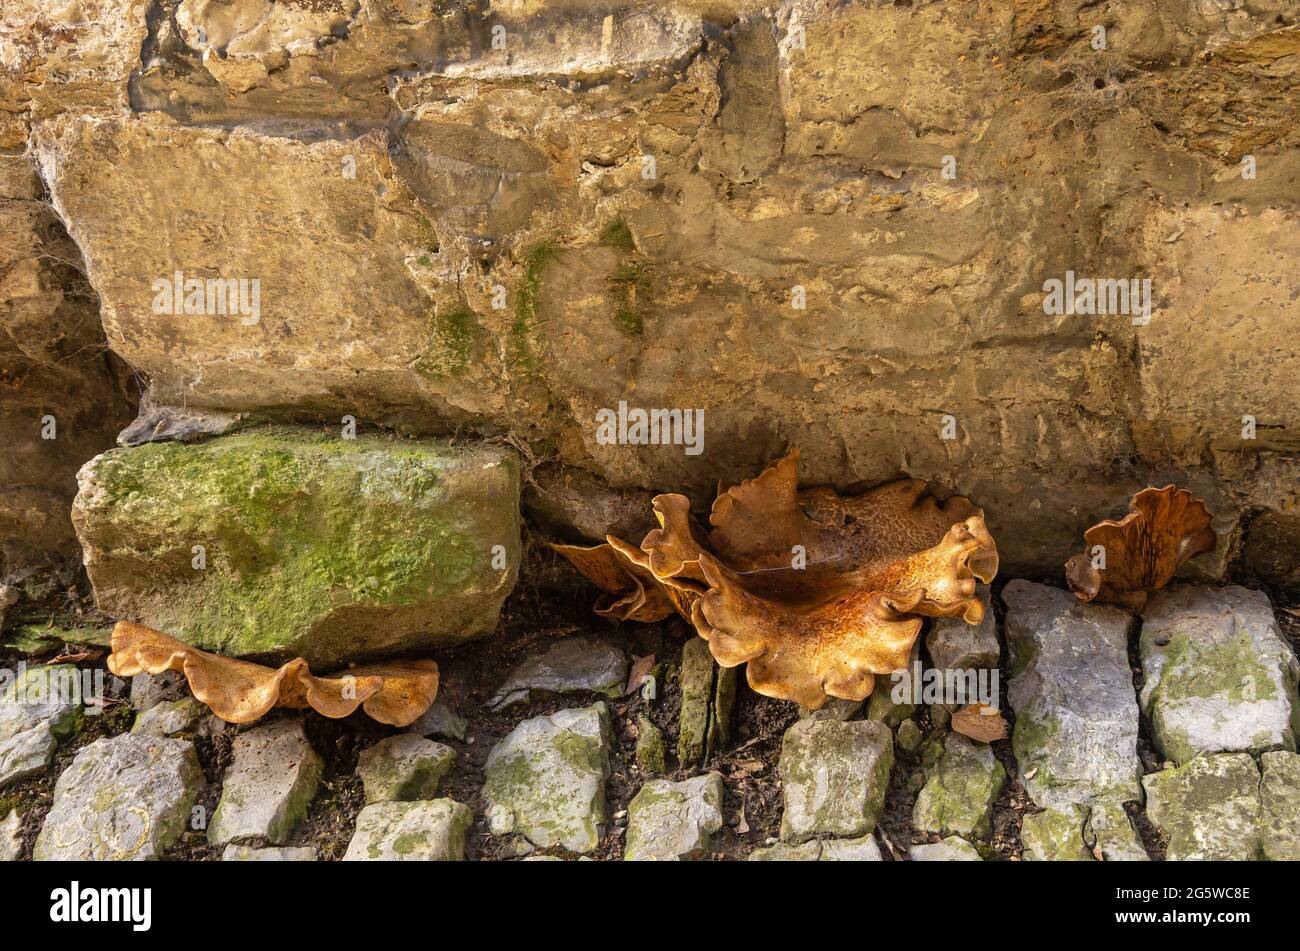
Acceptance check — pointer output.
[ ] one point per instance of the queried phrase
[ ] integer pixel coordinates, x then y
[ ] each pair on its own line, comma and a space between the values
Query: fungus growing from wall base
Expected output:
816, 592
1127, 559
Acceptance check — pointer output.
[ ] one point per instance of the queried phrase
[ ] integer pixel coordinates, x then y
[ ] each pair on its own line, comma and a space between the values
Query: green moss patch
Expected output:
309, 542
527, 298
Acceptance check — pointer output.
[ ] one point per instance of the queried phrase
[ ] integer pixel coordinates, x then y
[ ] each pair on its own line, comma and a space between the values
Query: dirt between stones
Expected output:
473, 673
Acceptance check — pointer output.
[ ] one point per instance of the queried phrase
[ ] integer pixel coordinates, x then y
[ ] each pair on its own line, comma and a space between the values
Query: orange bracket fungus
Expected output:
239, 691
1128, 559
815, 591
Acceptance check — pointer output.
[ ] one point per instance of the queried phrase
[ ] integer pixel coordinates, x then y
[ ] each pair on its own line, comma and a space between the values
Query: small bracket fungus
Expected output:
1127, 559
396, 693
631, 591
848, 606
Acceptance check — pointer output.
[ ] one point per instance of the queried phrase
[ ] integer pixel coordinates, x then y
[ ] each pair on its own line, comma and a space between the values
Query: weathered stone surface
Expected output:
244, 853
708, 695
370, 327
81, 54
11, 843
1076, 728
726, 682
953, 644
62, 396
404, 767
1280, 798
809, 851
241, 43
693, 716
1055, 835
327, 548
865, 849
26, 754
42, 639
834, 777
546, 779
833, 709
122, 798
39, 706
651, 751
570, 665
41, 696
669, 821
882, 708
1218, 675
892, 131
1197, 385
1110, 832
148, 690
908, 736
440, 720
960, 791
1208, 809
268, 786
430, 831
952, 849
170, 717
565, 501
1270, 546
941, 714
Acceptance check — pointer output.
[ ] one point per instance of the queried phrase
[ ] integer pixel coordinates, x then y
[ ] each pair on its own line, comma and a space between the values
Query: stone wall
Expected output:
63, 394
503, 217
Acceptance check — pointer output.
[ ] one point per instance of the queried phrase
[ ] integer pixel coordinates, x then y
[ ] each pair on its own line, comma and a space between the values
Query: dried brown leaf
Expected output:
980, 722
71, 658
641, 668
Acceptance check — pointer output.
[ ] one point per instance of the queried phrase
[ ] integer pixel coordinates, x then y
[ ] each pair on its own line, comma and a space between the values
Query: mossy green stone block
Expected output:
311, 545
960, 791
1055, 835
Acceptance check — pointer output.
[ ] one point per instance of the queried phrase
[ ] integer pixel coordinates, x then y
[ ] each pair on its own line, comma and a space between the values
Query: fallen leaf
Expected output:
972, 721
641, 668
69, 658
894, 849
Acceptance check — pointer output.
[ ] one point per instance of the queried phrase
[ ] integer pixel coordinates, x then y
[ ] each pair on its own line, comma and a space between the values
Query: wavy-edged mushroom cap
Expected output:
817, 592
631, 592
1163, 528
238, 691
